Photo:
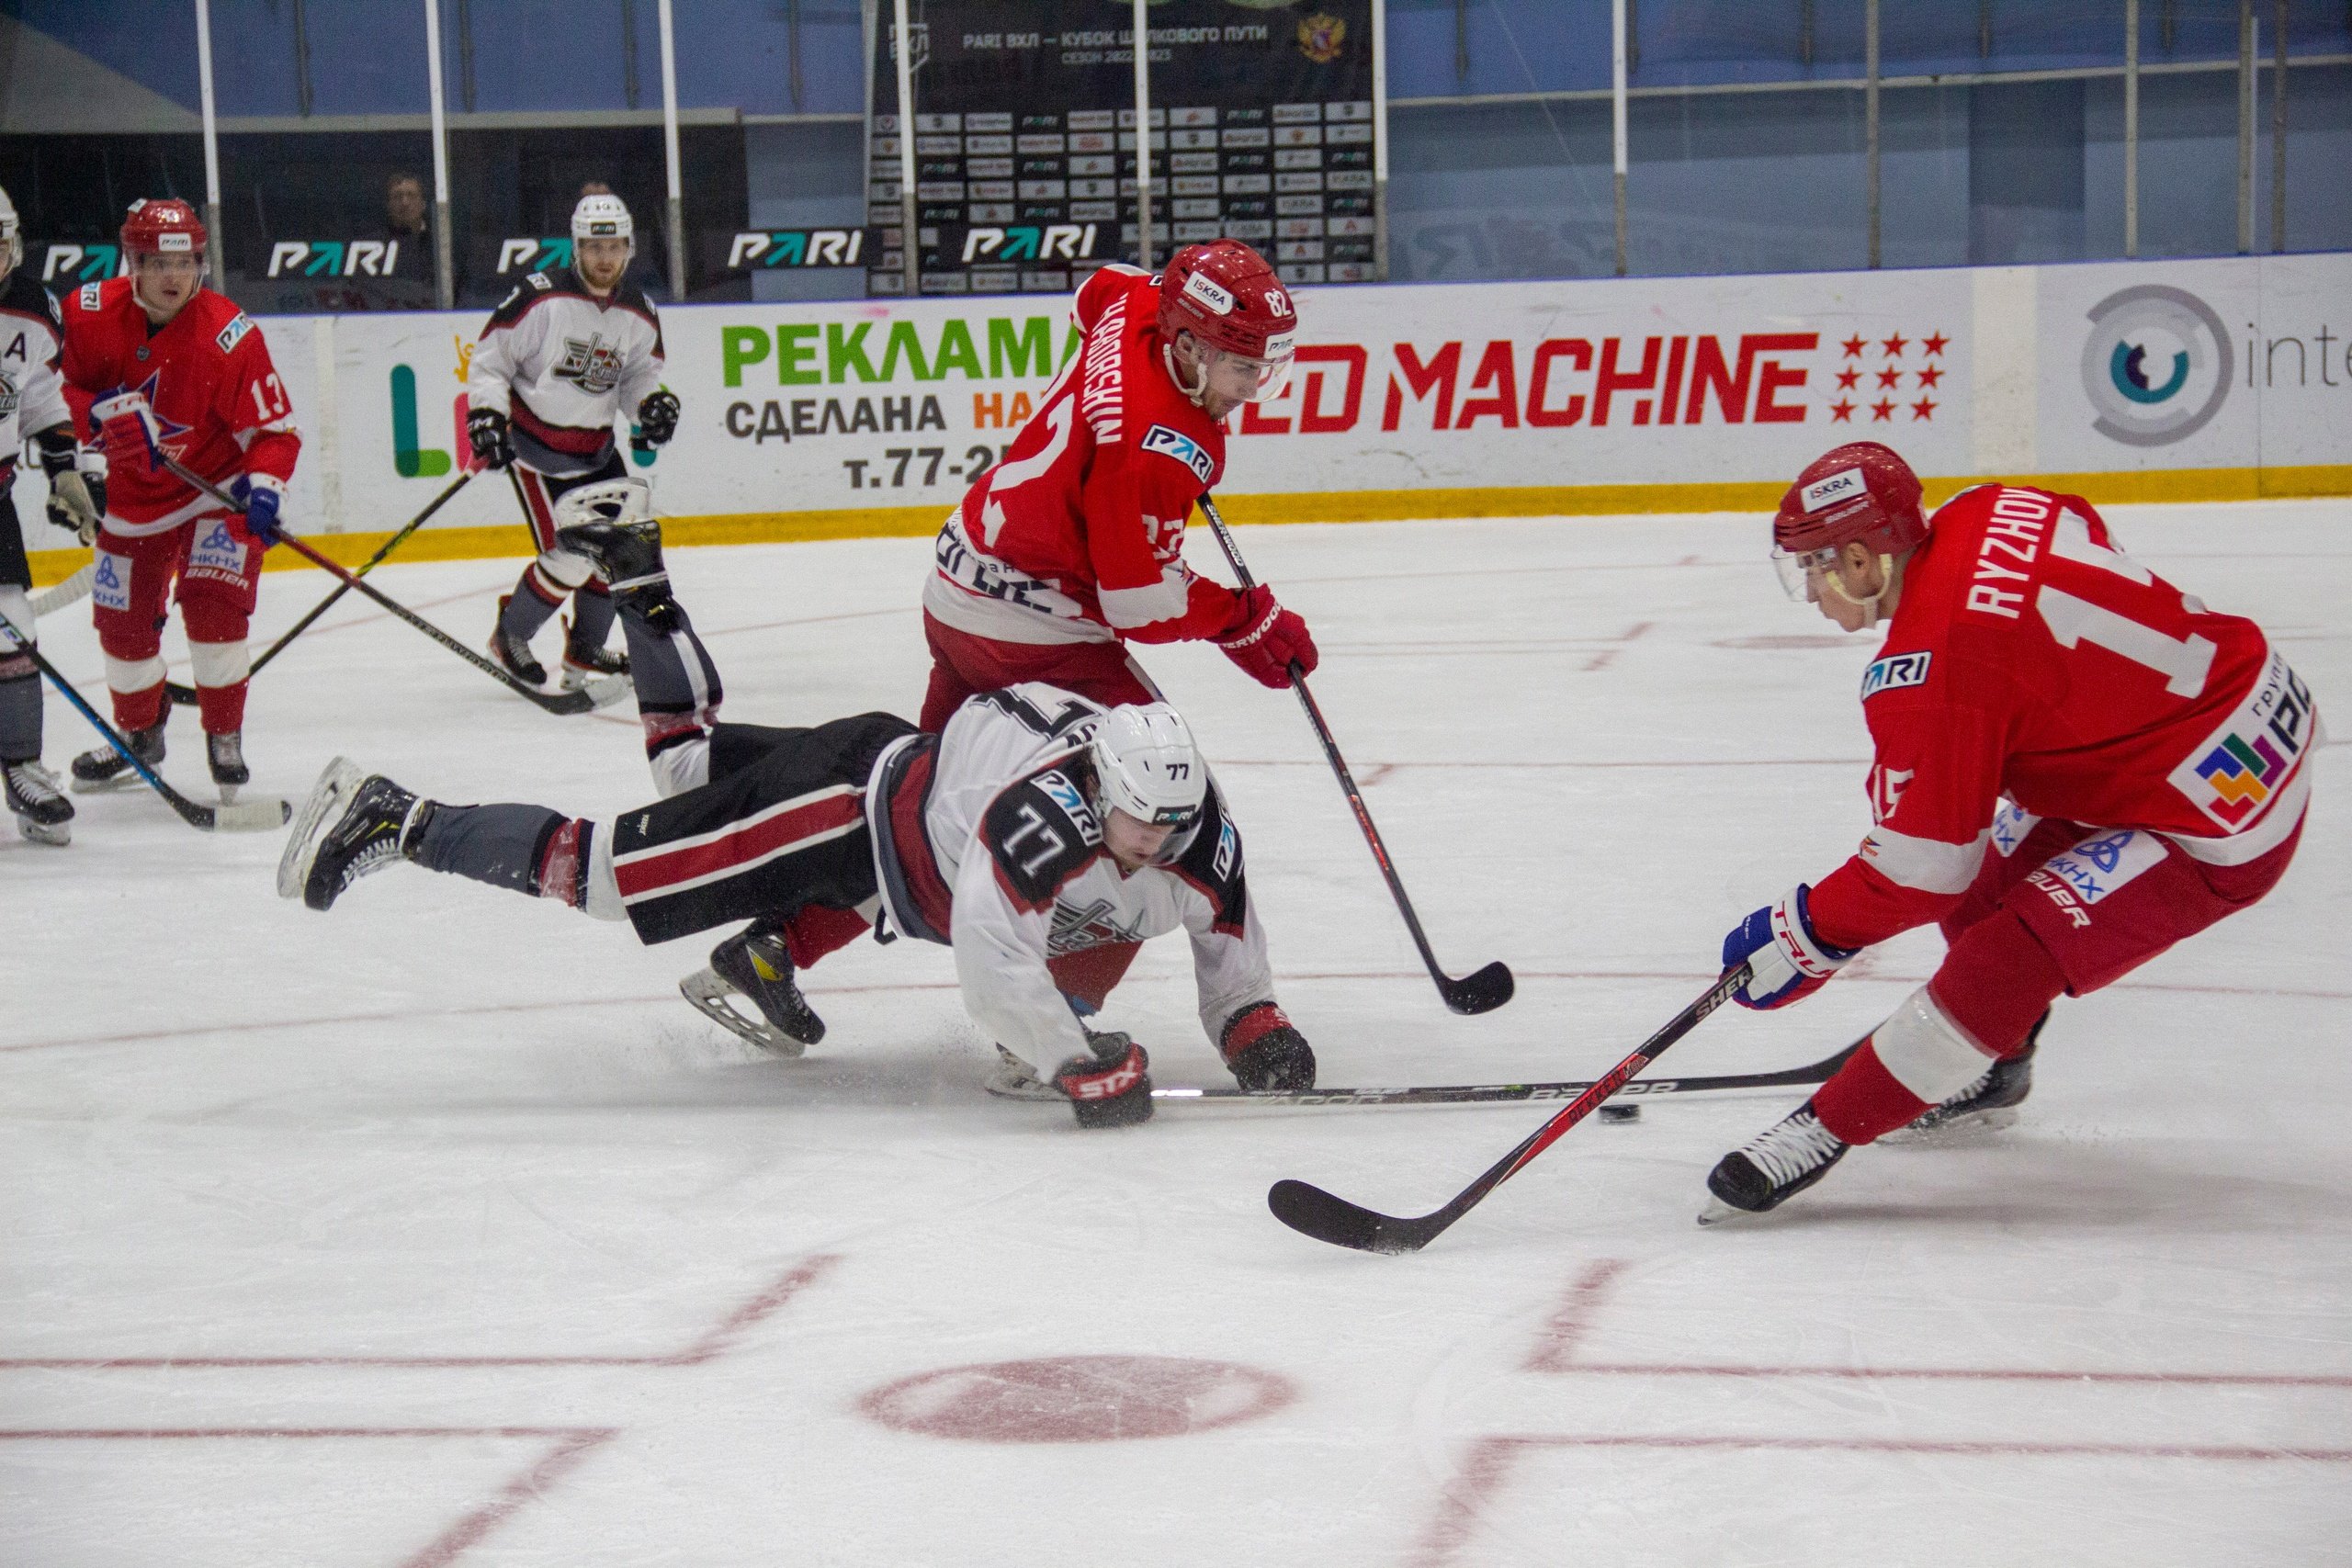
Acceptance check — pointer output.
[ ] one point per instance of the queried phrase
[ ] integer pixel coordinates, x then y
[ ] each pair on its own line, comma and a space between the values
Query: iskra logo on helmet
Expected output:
1833, 488
1209, 293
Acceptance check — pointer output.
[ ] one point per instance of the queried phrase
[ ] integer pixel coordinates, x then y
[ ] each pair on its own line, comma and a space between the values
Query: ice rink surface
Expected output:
439, 1229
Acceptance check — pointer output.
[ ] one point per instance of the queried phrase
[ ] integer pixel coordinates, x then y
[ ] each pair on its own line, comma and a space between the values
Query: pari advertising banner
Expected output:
1504, 397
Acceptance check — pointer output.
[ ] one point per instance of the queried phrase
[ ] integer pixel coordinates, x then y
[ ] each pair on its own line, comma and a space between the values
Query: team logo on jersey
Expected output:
1065, 794
167, 431
1831, 488
1183, 449
2245, 761
595, 365
2155, 364
234, 332
9, 396
217, 551
2096, 867
110, 583
1894, 672
1094, 924
2010, 825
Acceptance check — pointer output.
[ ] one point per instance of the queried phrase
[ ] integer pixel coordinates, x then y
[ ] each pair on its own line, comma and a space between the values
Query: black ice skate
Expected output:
42, 814
1771, 1168
755, 963
226, 754
582, 666
1985, 1106
513, 653
106, 768
354, 824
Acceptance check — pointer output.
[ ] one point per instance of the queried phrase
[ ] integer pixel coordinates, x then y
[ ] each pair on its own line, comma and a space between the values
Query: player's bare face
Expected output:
1131, 840
601, 262
165, 282
1857, 590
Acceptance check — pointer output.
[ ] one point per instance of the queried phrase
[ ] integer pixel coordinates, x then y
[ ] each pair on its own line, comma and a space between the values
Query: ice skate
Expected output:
755, 964
104, 768
226, 756
1011, 1079
352, 825
583, 665
1771, 1168
513, 653
43, 815
1988, 1105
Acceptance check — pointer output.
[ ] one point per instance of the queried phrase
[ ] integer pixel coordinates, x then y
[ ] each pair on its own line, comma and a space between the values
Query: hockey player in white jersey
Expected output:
33, 408
1035, 824
563, 355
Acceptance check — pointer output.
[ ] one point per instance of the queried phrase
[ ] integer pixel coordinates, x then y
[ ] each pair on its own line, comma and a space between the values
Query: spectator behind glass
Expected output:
404, 222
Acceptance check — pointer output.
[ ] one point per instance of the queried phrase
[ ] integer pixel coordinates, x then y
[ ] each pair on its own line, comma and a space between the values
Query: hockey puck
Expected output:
1621, 1114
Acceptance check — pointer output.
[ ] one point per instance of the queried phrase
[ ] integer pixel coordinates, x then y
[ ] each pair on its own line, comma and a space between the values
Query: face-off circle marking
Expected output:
1077, 1399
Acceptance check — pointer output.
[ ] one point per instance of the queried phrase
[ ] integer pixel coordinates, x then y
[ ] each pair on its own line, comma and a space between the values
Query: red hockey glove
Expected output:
126, 431
1266, 639
1265, 1050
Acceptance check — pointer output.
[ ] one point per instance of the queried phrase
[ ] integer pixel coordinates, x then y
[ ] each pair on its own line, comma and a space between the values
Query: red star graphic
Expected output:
1842, 411
1848, 379
1882, 410
1894, 345
1933, 344
1890, 377
1853, 347
1924, 409
1930, 376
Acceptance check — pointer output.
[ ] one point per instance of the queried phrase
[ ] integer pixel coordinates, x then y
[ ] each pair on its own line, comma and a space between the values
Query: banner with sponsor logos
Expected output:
2188, 379
1026, 137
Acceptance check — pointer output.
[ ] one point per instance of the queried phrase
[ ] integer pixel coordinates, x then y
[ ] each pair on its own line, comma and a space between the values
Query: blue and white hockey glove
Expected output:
261, 496
1789, 961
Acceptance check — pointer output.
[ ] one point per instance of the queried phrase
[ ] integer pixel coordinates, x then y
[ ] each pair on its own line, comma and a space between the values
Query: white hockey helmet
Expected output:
618, 502
602, 217
1145, 765
12, 236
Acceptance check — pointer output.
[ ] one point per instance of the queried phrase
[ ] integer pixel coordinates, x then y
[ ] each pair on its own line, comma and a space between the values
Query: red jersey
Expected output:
218, 404
1078, 534
2029, 658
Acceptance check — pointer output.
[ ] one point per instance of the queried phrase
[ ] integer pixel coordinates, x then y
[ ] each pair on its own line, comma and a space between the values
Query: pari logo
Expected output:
1051, 242
796, 247
81, 264
2156, 364
333, 258
549, 254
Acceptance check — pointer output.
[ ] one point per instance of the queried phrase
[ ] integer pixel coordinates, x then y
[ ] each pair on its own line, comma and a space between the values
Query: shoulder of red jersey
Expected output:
1041, 831
221, 319
95, 299
1103, 285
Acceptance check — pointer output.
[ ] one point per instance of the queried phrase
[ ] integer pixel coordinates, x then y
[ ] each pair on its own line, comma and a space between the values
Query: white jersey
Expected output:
562, 363
32, 392
1008, 868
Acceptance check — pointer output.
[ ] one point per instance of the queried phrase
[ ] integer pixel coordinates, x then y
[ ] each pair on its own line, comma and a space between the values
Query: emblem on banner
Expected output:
1322, 37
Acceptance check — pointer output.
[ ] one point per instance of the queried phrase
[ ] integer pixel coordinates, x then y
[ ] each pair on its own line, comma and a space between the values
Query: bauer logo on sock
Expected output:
1894, 672
1183, 449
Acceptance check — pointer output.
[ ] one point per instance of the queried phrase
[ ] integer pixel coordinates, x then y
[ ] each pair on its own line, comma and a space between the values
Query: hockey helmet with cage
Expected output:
603, 216
1228, 298
12, 236
162, 227
1146, 765
1861, 493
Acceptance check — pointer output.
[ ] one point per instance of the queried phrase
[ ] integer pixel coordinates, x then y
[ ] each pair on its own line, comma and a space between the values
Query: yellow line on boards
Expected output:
1328, 506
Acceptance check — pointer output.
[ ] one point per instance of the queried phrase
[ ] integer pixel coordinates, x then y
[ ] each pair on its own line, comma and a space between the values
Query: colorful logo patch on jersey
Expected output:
234, 332
2232, 776
1183, 449
1894, 672
1065, 794
90, 295
110, 583
2096, 867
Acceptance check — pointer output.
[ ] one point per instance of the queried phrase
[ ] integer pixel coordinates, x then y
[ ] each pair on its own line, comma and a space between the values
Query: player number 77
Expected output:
2183, 662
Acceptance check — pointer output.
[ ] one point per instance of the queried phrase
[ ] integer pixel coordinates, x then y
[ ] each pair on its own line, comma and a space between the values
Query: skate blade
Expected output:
1718, 1212
1972, 1128
1020, 1085
55, 834
326, 802
126, 779
706, 992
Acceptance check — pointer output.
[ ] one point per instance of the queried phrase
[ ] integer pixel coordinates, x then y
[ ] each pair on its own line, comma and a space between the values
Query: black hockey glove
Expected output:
1266, 1051
486, 433
657, 420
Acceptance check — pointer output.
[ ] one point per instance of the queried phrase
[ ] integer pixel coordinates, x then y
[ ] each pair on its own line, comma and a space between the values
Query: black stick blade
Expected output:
1311, 1211
1483, 992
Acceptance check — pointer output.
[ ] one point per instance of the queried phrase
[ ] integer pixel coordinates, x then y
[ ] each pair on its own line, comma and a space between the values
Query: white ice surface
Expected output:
439, 1229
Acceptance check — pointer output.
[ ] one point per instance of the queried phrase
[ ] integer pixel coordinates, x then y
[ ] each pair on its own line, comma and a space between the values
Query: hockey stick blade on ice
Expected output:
1482, 991
186, 695
260, 815
1312, 1212
595, 694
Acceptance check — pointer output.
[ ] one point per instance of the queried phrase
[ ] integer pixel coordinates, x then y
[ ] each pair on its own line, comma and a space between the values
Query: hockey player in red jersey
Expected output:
1072, 547
2077, 766
156, 362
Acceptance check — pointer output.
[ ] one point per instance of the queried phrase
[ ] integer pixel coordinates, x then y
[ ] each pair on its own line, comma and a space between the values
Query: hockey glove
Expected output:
261, 494
1789, 960
657, 420
1111, 1088
1266, 639
126, 428
486, 434
77, 494
1265, 1051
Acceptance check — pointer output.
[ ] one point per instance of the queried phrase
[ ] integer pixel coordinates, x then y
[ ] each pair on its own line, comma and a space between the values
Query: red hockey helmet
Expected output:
1227, 297
166, 226
1859, 493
